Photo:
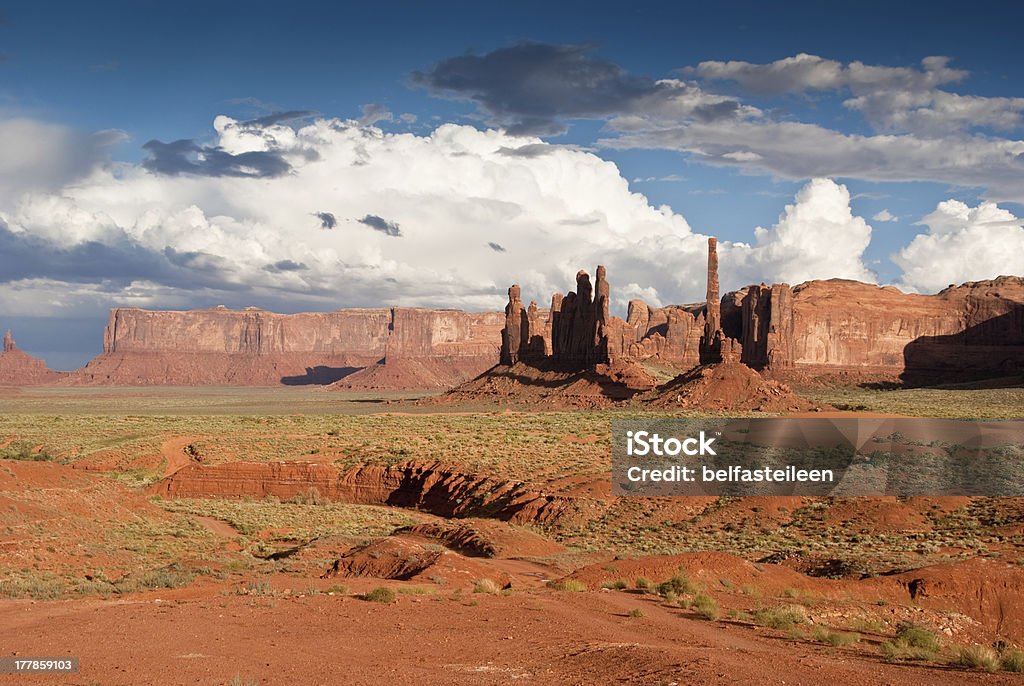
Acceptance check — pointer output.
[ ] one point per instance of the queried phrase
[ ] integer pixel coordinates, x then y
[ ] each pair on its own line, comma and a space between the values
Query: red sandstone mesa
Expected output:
259, 348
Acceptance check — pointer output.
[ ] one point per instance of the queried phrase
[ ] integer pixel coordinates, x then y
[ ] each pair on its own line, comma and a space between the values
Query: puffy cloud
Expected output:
885, 216
817, 237
472, 218
963, 243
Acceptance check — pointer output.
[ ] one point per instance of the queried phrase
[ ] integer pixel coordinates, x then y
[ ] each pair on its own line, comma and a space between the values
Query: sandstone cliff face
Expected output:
18, 368
260, 348
431, 350
254, 332
419, 333
976, 328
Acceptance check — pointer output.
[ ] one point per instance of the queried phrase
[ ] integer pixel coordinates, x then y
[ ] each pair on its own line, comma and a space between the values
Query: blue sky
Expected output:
726, 145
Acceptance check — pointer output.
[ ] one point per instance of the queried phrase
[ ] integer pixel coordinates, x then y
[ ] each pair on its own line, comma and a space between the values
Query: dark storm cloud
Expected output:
529, 86
496, 247
380, 224
286, 266
114, 263
327, 219
23, 256
188, 157
196, 260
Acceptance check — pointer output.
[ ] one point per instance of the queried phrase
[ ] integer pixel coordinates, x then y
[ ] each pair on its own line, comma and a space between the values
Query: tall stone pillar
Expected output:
512, 334
711, 341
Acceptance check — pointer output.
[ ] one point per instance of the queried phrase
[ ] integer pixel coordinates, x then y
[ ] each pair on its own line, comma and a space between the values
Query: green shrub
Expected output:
678, 584
636, 612
381, 594
705, 606
917, 637
617, 584
784, 617
20, 450
643, 583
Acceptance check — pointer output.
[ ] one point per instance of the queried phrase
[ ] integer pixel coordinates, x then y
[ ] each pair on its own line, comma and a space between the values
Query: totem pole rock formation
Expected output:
8, 342
711, 341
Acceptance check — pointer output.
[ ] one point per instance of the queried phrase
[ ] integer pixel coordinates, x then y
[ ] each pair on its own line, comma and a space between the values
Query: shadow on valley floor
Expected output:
319, 376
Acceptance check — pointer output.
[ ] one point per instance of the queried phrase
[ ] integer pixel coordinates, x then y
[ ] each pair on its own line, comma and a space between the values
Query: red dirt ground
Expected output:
196, 637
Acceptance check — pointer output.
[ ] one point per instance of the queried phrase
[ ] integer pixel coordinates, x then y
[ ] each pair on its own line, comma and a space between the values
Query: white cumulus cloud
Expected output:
816, 237
363, 217
963, 243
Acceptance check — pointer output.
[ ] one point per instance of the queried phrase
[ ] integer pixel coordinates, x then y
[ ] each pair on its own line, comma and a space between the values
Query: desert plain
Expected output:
297, 535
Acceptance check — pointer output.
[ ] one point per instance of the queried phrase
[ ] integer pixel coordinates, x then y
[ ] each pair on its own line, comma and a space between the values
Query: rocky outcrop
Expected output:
578, 331
18, 368
766, 336
579, 342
